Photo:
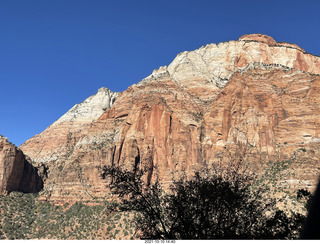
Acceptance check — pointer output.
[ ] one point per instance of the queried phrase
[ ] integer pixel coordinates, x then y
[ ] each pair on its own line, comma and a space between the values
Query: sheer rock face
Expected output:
16, 173
267, 114
253, 99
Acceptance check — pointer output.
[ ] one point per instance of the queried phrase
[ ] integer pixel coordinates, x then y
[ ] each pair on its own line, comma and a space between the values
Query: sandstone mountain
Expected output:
253, 100
16, 173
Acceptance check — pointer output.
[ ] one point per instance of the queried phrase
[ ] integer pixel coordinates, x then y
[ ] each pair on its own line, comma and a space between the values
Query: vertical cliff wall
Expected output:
16, 173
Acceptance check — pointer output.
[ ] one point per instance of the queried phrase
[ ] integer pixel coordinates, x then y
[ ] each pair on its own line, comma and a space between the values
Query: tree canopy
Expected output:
207, 206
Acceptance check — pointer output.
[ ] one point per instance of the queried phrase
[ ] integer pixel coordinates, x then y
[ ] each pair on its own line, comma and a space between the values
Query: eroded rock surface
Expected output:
253, 99
91, 108
16, 173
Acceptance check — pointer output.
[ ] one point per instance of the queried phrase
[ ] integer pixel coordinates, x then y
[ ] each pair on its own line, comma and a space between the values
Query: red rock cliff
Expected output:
16, 173
253, 98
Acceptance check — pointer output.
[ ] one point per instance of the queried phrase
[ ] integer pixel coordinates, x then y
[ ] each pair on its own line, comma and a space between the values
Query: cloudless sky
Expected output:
56, 53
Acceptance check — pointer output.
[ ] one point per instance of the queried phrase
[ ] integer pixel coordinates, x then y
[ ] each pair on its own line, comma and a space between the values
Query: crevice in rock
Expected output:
151, 164
137, 161
120, 151
113, 154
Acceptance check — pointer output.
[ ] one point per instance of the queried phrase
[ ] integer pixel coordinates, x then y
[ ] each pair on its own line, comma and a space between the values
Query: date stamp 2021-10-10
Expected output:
159, 241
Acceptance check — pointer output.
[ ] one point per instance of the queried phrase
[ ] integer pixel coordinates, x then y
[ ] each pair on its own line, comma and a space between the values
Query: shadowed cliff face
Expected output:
253, 99
16, 173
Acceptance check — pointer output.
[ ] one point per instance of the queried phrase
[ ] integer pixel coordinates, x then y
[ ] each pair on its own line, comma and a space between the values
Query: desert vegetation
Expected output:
23, 216
212, 204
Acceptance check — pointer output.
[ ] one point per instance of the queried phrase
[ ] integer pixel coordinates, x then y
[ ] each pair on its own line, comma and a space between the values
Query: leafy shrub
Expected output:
205, 207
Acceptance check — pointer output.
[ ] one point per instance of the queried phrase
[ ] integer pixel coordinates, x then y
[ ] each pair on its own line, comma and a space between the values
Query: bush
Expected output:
204, 207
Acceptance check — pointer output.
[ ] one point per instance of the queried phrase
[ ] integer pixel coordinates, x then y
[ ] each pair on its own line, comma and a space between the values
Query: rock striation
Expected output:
253, 100
211, 67
91, 108
16, 173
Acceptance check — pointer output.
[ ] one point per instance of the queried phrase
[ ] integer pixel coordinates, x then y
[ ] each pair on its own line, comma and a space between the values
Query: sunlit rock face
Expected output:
16, 173
210, 67
56, 141
254, 99
91, 108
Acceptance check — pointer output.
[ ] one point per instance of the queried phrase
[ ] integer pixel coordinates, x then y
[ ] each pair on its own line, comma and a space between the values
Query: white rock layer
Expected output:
91, 108
215, 64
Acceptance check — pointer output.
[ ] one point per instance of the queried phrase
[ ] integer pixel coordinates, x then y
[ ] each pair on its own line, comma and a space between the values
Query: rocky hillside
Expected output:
251, 100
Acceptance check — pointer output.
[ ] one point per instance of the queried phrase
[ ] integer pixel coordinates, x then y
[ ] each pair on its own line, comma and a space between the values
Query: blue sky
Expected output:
54, 54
